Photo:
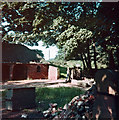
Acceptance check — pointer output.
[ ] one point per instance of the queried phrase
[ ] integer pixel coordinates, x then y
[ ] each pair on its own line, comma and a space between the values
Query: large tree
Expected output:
32, 22
44, 20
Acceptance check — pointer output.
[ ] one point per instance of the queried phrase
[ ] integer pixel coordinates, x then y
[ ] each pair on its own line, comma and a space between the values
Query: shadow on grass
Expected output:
61, 96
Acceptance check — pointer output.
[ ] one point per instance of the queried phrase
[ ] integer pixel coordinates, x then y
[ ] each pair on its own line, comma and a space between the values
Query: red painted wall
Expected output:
19, 72
33, 73
5, 72
13, 71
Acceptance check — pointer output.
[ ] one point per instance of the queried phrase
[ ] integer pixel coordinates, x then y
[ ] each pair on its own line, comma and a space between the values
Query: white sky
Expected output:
52, 50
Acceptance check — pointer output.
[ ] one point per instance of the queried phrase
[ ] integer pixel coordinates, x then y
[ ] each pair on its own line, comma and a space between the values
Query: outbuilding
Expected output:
21, 71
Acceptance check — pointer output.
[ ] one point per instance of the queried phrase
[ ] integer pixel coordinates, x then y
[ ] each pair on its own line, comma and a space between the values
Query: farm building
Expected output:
21, 71
19, 63
16, 63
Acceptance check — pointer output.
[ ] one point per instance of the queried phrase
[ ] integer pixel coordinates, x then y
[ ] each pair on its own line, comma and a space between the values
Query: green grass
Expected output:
61, 96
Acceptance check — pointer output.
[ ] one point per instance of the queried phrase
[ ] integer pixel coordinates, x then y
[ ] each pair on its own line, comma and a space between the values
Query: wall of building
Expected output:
53, 73
5, 72
19, 72
37, 71
12, 71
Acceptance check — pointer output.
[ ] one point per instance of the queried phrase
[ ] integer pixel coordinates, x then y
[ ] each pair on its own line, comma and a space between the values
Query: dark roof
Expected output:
19, 53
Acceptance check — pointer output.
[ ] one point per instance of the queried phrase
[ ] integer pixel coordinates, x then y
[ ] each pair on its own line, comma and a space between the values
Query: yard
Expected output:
45, 96
61, 96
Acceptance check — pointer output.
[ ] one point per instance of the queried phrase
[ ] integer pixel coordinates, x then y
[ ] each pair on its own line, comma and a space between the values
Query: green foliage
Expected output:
74, 40
68, 25
64, 63
63, 71
46, 19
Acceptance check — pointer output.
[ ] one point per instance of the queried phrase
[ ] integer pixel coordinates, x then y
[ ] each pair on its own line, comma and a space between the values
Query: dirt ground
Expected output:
44, 83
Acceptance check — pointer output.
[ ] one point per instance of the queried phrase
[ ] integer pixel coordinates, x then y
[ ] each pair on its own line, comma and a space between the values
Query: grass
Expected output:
61, 96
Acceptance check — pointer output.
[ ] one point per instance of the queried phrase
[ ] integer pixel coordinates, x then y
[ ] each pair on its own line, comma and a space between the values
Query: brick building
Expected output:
16, 63
20, 63
21, 71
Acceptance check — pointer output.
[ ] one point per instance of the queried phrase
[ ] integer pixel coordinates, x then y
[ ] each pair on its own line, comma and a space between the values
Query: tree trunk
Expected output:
83, 62
111, 60
95, 56
117, 55
89, 58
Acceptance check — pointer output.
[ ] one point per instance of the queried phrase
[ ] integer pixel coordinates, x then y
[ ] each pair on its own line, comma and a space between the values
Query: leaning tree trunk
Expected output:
85, 58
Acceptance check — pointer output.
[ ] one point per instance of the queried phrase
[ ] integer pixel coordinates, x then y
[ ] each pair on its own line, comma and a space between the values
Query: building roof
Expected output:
19, 53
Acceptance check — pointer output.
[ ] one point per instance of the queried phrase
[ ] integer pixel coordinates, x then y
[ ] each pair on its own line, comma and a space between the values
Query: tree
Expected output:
75, 42
107, 32
49, 21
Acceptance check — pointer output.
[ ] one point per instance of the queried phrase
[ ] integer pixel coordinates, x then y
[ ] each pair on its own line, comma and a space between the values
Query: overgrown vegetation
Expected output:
61, 96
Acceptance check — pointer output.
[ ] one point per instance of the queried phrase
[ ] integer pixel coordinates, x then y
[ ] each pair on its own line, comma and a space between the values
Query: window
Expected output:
38, 68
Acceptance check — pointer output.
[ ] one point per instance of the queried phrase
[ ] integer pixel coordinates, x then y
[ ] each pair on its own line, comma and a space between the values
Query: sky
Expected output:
49, 53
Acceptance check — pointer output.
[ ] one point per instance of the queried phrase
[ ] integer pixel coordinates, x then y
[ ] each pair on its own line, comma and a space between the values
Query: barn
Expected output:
19, 63
22, 71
